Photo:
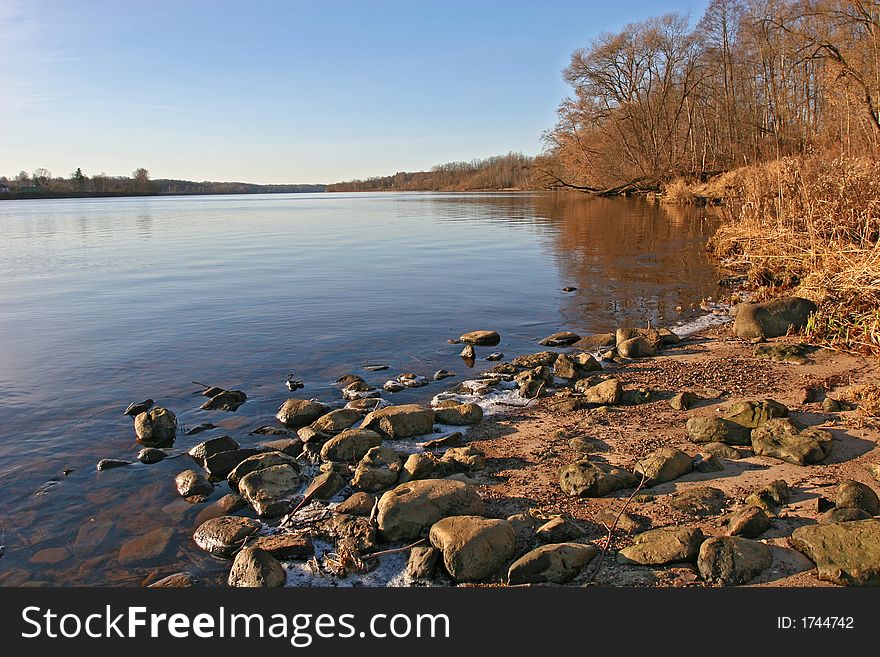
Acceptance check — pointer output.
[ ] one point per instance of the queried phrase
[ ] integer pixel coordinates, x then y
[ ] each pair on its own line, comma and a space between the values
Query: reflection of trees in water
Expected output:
630, 260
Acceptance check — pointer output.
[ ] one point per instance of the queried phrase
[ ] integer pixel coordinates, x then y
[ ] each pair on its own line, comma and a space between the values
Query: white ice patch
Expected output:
492, 402
701, 323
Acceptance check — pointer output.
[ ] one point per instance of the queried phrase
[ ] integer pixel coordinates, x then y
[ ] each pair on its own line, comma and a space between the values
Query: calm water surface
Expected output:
108, 301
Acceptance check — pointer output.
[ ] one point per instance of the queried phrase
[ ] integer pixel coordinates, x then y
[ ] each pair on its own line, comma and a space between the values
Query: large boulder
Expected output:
714, 429
782, 440
409, 510
699, 501
664, 464
605, 393
556, 563
450, 412
300, 412
220, 465
749, 522
589, 479
418, 466
270, 490
753, 414
462, 459
856, 495
652, 337
378, 469
325, 486
483, 338
637, 347
201, 452
255, 567
350, 446
558, 530
772, 319
575, 366
190, 482
731, 560
403, 421
336, 421
224, 535
473, 547
258, 462
846, 553
156, 427
657, 547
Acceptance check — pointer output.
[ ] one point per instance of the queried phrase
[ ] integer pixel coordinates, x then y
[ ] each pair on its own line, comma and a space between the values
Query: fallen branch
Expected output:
383, 553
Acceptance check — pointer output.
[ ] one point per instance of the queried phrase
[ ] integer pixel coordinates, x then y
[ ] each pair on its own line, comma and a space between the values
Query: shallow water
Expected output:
108, 301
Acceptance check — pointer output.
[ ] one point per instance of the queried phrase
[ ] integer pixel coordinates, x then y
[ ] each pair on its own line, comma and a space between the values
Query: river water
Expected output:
108, 301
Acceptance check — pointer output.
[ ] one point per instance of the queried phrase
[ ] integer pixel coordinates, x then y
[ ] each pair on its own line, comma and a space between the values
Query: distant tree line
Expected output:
511, 171
42, 183
753, 80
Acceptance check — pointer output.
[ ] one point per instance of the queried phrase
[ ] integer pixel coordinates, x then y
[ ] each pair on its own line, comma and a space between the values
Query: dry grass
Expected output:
810, 226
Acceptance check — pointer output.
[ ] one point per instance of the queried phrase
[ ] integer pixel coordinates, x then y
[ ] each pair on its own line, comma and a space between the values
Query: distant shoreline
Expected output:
65, 195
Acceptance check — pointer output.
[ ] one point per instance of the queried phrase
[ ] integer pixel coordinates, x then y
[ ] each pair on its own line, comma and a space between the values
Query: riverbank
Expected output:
619, 473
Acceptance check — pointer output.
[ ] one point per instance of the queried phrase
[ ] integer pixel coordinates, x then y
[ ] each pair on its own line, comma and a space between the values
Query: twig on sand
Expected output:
382, 553
529, 400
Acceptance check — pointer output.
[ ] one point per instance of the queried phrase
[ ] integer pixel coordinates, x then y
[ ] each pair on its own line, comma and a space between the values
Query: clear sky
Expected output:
286, 91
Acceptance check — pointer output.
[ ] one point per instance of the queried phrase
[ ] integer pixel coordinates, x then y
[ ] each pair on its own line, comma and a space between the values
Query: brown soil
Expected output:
527, 447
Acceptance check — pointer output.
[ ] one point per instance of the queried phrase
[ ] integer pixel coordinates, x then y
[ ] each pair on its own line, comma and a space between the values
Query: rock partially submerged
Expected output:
300, 412
404, 421
561, 339
481, 338
156, 427
223, 536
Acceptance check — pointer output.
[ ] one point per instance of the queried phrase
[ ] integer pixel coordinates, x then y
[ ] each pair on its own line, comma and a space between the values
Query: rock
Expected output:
558, 530
325, 485
596, 341
290, 446
224, 535
531, 361
748, 522
226, 400
873, 469
147, 547
150, 455
403, 421
439, 375
482, 338
795, 354
110, 464
846, 553
856, 495
706, 463
136, 408
375, 368
177, 580
190, 482
220, 465
257, 568
751, 414
468, 353
422, 562
782, 440
842, 515
299, 412
348, 379
201, 452
225, 506
664, 464
418, 466
589, 479
203, 426
636, 348
360, 390
411, 380
393, 386
625, 522
561, 339
359, 504
721, 451
450, 412
473, 547
584, 445
407, 511
770, 497
351, 532
156, 428
651, 336
449, 440
378, 469
532, 383
556, 563
311, 436
463, 459
657, 547
258, 462
772, 319
668, 337
683, 401
700, 501
336, 421
286, 547
350, 445
270, 490
367, 404
575, 366
606, 393
495, 355
731, 560
830, 405
713, 429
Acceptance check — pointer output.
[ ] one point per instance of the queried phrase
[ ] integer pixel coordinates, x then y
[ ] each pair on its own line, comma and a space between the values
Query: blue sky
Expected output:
295, 91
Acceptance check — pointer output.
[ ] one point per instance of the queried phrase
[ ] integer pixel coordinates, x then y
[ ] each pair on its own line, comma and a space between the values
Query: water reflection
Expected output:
106, 301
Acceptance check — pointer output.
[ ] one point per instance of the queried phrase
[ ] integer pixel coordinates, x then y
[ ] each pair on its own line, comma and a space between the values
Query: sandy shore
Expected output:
526, 448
